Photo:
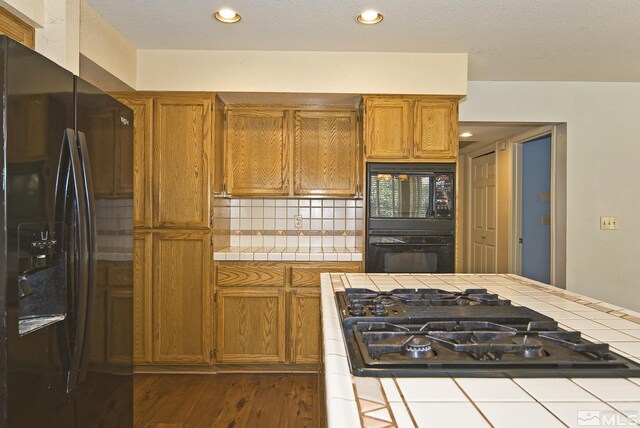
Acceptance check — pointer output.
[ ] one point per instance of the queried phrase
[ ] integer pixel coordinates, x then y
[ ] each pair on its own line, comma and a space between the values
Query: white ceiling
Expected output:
581, 40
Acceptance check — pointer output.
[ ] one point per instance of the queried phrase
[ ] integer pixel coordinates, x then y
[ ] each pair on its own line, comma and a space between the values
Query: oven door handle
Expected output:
404, 244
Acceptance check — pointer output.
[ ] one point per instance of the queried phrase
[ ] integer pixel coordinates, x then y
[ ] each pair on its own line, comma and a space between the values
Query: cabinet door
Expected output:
387, 128
436, 129
181, 170
142, 312
17, 29
102, 134
29, 140
251, 326
325, 153
182, 298
304, 322
257, 155
98, 348
142, 107
119, 322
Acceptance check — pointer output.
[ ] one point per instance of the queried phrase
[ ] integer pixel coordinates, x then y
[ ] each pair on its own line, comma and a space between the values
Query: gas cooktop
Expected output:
431, 332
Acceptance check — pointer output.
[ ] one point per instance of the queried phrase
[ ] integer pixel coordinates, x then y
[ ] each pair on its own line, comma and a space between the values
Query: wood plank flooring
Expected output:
226, 400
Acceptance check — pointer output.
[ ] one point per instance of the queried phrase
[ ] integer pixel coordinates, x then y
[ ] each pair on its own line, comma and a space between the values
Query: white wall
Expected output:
603, 160
30, 11
105, 46
305, 72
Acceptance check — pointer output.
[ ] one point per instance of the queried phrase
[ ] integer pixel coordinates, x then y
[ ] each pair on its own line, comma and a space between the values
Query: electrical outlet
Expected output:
608, 223
297, 221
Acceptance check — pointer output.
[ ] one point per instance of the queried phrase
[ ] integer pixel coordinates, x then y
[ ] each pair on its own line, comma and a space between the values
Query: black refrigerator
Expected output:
66, 218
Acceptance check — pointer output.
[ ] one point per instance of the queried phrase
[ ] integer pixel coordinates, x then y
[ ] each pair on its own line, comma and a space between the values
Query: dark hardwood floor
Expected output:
226, 400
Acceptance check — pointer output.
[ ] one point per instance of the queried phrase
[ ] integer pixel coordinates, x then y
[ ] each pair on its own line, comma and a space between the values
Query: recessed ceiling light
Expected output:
226, 15
369, 17
466, 134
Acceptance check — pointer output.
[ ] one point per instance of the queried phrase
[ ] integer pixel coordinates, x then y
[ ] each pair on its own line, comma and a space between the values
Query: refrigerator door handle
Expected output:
92, 248
67, 172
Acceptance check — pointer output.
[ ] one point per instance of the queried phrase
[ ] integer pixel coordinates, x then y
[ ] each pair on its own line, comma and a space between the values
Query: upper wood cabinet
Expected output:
387, 123
17, 29
291, 152
411, 128
111, 153
257, 152
29, 142
325, 153
435, 131
181, 161
142, 106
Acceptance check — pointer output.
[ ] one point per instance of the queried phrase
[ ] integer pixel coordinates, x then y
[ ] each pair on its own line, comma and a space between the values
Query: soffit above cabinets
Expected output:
569, 40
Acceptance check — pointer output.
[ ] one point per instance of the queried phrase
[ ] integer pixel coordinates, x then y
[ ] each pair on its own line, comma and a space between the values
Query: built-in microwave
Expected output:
410, 217
410, 196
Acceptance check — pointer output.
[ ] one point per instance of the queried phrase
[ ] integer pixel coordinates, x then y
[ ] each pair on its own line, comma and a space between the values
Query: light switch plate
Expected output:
297, 221
608, 223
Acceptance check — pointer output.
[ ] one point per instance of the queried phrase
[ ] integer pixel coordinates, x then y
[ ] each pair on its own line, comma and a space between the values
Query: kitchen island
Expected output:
483, 402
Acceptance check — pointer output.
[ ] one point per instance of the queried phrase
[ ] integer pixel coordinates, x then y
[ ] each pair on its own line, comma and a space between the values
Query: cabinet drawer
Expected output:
310, 276
249, 274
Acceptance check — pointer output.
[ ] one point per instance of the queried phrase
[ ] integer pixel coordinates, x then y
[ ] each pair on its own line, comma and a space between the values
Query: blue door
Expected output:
536, 209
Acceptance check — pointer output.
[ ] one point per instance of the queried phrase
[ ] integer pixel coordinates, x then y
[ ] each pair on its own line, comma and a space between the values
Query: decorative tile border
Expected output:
295, 233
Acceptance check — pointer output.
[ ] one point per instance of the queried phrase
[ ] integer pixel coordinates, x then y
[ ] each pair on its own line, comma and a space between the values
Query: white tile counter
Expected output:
484, 402
297, 254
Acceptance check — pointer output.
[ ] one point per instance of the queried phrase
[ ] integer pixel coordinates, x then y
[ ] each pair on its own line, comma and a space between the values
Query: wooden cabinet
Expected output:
304, 324
435, 128
112, 315
181, 163
269, 312
142, 298
387, 128
325, 153
251, 326
119, 322
171, 298
142, 106
111, 151
257, 152
17, 29
29, 142
411, 128
291, 152
182, 298
102, 133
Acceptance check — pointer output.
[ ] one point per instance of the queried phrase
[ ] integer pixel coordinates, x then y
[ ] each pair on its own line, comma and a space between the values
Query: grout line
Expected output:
404, 400
473, 403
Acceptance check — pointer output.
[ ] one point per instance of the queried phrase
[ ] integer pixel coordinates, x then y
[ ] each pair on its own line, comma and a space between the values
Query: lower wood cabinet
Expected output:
182, 318
251, 326
304, 326
112, 314
269, 312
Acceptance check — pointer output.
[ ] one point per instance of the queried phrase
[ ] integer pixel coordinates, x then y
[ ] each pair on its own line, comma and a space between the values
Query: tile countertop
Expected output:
299, 254
483, 402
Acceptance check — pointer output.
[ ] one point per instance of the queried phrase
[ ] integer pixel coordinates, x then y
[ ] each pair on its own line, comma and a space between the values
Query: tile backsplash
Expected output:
258, 222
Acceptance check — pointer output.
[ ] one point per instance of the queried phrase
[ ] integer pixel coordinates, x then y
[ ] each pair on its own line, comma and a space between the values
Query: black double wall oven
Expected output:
410, 217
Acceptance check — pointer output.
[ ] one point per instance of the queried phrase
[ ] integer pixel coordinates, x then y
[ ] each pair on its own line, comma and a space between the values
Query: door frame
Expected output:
558, 200
467, 169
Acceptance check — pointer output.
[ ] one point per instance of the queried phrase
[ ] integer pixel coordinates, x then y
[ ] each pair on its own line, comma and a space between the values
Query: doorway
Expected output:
535, 206
505, 143
483, 232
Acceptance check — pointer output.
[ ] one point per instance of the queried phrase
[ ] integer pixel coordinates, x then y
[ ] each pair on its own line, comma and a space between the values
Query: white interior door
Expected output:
483, 252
